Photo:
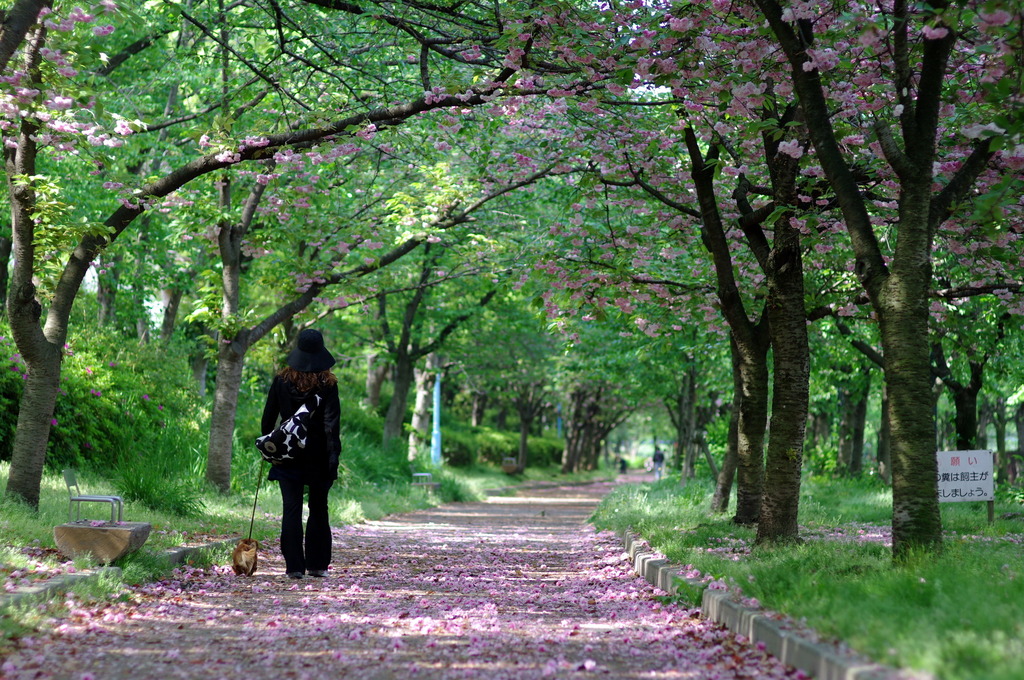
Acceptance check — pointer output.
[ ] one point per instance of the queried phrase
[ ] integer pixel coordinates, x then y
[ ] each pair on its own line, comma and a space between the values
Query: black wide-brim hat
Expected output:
310, 355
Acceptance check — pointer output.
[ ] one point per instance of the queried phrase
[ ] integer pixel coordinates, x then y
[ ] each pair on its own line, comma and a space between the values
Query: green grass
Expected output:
959, 615
27, 546
352, 500
229, 514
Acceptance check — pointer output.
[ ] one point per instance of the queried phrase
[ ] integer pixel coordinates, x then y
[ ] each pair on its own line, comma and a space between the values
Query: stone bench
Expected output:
104, 541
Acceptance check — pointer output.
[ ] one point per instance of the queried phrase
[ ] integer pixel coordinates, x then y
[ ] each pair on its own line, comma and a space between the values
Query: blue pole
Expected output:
435, 438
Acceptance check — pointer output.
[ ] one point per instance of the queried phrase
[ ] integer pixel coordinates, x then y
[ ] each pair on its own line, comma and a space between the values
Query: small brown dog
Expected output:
243, 559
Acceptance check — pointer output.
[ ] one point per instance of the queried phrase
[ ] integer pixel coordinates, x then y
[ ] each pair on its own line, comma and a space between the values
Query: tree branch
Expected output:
960, 185
129, 51
867, 350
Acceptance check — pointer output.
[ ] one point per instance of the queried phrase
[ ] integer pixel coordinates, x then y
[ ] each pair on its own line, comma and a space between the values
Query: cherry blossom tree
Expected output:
891, 154
910, 58
46, 114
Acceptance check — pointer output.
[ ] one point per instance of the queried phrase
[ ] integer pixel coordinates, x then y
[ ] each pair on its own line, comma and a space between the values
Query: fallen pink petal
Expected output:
497, 590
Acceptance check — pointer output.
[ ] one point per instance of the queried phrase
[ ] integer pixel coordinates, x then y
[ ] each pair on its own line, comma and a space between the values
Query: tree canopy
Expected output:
790, 180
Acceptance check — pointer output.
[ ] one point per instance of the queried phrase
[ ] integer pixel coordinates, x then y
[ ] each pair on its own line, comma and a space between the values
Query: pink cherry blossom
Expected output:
935, 32
492, 590
791, 148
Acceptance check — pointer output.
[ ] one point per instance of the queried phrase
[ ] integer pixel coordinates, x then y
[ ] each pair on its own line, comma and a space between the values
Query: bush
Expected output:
113, 395
458, 446
821, 459
454, 490
465, 446
161, 490
545, 451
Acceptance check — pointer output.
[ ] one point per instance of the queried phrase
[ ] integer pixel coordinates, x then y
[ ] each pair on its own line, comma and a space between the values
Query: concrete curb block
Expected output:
817, 660
66, 581
179, 555
55, 585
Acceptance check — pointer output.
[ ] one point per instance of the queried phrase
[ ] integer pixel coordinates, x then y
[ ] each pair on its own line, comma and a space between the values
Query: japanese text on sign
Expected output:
965, 476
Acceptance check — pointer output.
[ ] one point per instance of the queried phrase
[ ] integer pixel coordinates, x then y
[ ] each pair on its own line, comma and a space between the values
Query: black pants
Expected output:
313, 551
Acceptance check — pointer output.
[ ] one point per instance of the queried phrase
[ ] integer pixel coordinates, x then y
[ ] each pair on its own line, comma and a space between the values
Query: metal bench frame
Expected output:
76, 498
425, 480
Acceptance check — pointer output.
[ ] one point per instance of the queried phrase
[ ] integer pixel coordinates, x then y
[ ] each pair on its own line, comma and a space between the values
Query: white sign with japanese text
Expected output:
965, 476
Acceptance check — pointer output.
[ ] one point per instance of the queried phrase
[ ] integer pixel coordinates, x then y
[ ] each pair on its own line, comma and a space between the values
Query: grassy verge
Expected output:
28, 554
959, 615
227, 515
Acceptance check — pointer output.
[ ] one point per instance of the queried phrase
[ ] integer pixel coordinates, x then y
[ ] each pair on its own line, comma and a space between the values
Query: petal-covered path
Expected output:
512, 588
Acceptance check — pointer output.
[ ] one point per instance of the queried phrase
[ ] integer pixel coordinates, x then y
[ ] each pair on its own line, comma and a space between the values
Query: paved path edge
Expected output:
818, 660
64, 582
179, 555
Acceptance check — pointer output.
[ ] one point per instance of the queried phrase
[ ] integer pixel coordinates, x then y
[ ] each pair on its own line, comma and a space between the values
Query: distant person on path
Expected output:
622, 465
659, 462
307, 372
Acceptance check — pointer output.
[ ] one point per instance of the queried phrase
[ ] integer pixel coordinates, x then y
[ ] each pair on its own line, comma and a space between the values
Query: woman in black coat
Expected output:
307, 372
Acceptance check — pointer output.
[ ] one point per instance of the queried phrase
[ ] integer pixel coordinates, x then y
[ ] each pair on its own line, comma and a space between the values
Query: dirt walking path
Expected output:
513, 588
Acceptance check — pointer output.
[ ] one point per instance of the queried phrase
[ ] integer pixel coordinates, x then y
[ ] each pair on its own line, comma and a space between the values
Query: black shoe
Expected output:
294, 574
319, 573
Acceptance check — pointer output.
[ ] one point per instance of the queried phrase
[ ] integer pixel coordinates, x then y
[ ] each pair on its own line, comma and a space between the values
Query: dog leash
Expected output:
259, 480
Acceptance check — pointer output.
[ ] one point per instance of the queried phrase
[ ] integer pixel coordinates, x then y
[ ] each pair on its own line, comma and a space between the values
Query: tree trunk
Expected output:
403, 380
231, 350
592, 453
853, 400
35, 416
586, 428
20, 16
986, 416
821, 429
529, 398
574, 431
376, 373
723, 484
966, 402
674, 407
688, 416
411, 346
230, 361
41, 347
419, 431
1016, 458
903, 321
965, 397
139, 292
171, 298
883, 446
200, 369
999, 419
753, 417
787, 323
478, 409
750, 340
690, 413
727, 475
106, 290
860, 416
524, 442
899, 286
142, 329
844, 449
5, 259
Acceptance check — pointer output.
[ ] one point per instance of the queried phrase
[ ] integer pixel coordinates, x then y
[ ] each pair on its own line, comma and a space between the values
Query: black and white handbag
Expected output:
286, 441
